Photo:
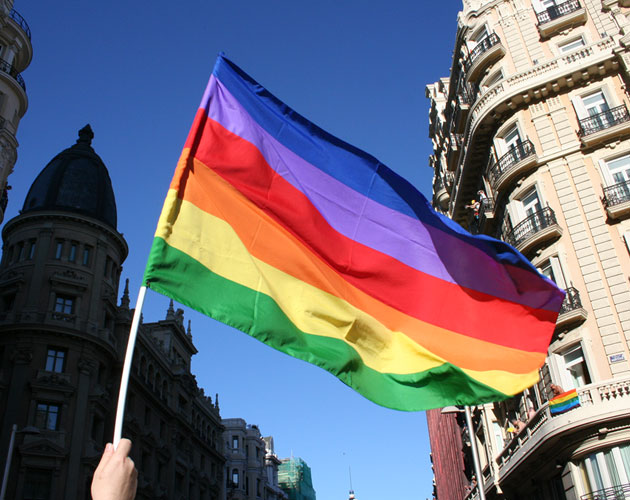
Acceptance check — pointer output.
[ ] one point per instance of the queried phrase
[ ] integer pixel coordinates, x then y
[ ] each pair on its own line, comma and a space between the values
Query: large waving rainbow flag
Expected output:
275, 227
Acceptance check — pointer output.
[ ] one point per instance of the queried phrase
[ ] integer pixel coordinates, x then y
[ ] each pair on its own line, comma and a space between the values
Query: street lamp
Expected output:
473, 445
7, 466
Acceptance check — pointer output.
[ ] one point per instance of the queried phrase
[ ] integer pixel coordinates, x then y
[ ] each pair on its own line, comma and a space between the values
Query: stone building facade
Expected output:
251, 467
63, 337
531, 137
16, 53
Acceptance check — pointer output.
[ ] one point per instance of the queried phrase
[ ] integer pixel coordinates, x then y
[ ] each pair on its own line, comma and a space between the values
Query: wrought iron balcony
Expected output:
556, 11
571, 301
536, 228
559, 17
15, 15
482, 46
617, 199
467, 94
616, 194
486, 212
604, 120
7, 68
618, 492
487, 51
571, 311
511, 164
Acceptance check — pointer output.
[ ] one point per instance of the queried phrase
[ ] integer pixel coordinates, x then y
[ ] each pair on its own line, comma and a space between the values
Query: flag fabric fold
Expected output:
275, 227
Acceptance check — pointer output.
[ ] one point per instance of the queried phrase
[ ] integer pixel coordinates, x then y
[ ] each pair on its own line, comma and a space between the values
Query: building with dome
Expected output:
63, 335
531, 137
16, 53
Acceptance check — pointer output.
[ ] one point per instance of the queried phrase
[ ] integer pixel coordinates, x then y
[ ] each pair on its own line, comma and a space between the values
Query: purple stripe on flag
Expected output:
422, 247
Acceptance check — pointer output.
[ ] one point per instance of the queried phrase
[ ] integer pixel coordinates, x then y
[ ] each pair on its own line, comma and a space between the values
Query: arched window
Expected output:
235, 477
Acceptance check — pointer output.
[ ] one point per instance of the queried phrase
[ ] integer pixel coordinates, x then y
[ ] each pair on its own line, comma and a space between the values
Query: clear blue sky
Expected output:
136, 72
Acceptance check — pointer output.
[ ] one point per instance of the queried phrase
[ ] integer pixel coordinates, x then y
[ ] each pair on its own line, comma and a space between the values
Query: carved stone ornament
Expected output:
22, 355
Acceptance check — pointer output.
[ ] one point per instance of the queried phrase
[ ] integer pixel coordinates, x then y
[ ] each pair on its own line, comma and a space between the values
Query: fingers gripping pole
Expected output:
124, 378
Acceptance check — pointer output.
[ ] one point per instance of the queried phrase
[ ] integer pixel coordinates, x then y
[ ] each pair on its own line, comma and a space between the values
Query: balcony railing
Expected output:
15, 15
509, 160
619, 492
467, 94
601, 400
529, 227
617, 193
571, 301
556, 11
482, 46
7, 68
604, 120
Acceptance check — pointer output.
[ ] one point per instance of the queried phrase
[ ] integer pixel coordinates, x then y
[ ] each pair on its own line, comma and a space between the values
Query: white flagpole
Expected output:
124, 378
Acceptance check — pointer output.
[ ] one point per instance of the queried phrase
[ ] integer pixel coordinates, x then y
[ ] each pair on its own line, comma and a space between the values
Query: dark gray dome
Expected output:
76, 180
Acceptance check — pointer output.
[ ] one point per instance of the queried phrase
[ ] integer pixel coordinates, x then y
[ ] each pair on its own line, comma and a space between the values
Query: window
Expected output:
619, 169
552, 270
528, 208
571, 45
258, 492
593, 111
531, 203
72, 257
47, 416
64, 304
573, 369
235, 478
55, 361
20, 251
58, 250
492, 79
477, 37
595, 103
510, 140
498, 436
37, 484
606, 469
31, 250
235, 442
86, 256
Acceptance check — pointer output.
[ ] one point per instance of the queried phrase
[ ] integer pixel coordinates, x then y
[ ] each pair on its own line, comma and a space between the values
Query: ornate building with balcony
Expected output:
63, 338
531, 138
16, 53
251, 468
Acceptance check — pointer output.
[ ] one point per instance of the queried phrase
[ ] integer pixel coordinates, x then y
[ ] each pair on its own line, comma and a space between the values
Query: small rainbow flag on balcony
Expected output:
564, 402
275, 227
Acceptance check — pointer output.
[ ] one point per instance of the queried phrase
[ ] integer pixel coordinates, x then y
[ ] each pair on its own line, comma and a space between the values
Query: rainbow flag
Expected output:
564, 402
275, 227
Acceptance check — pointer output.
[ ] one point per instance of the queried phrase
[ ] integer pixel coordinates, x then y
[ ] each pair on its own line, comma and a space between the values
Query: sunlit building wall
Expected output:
531, 137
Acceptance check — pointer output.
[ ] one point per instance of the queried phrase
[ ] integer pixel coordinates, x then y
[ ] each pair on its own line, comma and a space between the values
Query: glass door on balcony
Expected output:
552, 270
617, 175
619, 169
574, 371
532, 207
607, 470
509, 147
597, 108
